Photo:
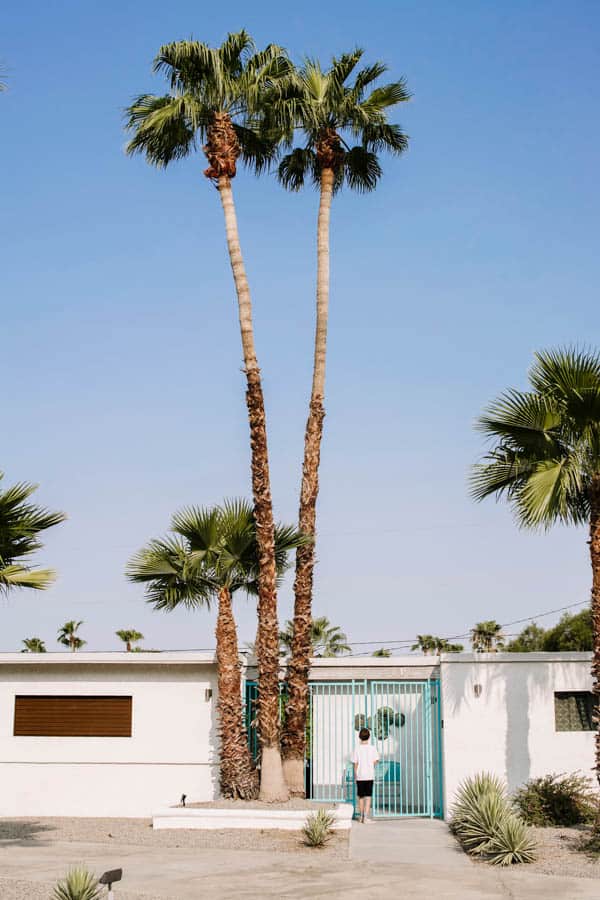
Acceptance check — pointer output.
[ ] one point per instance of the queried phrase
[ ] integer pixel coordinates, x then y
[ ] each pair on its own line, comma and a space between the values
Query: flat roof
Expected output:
208, 657
555, 657
103, 657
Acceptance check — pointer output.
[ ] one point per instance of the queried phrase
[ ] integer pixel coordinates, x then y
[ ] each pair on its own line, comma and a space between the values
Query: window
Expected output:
574, 711
51, 716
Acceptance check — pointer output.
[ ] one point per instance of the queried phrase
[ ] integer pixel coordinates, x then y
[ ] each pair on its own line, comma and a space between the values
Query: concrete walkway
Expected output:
410, 859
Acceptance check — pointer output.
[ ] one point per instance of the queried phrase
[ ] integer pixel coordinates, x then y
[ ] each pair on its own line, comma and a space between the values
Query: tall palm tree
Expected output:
545, 458
325, 639
487, 637
215, 100
68, 637
212, 554
342, 121
21, 524
129, 636
34, 645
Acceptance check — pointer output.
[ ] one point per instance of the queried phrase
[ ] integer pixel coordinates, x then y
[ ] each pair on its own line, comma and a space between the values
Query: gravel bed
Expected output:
558, 853
139, 832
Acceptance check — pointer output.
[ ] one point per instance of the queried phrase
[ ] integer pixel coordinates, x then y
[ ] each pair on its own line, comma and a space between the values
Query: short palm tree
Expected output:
68, 637
326, 639
33, 645
487, 637
382, 652
341, 119
129, 636
216, 98
21, 524
212, 554
545, 458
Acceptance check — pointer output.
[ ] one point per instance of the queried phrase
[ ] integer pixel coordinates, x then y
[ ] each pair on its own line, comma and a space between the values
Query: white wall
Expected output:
509, 730
173, 748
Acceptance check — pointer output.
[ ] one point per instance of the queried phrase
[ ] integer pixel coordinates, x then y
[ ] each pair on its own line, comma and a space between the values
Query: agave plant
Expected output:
317, 828
469, 795
79, 884
486, 825
511, 843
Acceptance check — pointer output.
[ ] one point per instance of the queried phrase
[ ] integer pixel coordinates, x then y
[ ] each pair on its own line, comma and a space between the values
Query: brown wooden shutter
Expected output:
68, 716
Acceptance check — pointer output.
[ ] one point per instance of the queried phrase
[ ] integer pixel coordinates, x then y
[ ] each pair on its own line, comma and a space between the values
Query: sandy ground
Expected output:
139, 832
35, 890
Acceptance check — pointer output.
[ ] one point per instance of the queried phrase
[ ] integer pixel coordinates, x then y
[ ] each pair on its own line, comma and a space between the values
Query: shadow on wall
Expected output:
22, 832
521, 694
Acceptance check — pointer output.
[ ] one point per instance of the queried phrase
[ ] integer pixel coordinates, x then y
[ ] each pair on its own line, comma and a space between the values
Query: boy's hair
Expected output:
364, 734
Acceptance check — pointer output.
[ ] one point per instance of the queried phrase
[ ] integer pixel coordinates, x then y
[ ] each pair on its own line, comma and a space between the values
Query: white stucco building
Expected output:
172, 748
121, 734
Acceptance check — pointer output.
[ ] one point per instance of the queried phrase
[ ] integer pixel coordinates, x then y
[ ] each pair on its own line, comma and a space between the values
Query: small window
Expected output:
574, 711
51, 716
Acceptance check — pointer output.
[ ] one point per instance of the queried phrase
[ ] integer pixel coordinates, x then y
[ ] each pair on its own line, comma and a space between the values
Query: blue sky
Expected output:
121, 358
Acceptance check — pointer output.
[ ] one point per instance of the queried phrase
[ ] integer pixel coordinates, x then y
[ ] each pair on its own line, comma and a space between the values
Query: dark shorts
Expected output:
364, 788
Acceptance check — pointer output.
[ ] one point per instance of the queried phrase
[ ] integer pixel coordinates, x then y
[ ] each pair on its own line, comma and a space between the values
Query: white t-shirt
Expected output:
365, 756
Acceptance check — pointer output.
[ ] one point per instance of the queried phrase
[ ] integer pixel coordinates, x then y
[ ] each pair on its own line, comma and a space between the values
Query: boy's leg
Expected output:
361, 808
367, 807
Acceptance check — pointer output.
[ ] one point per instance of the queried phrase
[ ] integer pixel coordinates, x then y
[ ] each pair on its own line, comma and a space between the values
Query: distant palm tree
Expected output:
216, 95
34, 645
68, 636
327, 640
545, 459
383, 651
487, 637
21, 524
426, 643
443, 645
212, 554
341, 119
129, 636
429, 643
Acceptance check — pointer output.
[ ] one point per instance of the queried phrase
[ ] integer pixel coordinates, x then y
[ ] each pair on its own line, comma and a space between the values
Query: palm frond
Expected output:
296, 167
362, 169
523, 421
15, 576
381, 136
162, 129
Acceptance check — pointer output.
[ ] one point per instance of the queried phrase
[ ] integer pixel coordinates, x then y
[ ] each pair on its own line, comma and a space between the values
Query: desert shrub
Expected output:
79, 884
556, 800
486, 825
317, 828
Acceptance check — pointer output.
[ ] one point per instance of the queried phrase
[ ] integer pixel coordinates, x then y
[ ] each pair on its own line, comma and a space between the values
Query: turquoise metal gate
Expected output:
405, 724
404, 718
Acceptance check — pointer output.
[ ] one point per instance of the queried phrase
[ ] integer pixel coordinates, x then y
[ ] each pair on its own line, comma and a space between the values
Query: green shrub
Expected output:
80, 884
318, 828
486, 824
556, 800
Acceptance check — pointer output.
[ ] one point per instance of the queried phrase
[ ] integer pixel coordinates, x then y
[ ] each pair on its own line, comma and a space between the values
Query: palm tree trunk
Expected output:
272, 782
238, 778
294, 736
595, 559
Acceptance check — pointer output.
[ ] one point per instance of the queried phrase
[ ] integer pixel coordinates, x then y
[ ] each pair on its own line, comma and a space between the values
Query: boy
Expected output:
365, 759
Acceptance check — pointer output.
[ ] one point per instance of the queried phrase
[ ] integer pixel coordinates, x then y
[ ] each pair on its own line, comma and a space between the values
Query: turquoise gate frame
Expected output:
405, 719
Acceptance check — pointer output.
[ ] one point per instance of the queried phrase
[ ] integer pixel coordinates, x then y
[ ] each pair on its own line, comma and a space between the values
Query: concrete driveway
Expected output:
405, 859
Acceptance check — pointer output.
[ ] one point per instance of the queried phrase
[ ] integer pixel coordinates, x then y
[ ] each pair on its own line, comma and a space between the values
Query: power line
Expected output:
396, 644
